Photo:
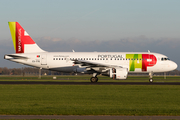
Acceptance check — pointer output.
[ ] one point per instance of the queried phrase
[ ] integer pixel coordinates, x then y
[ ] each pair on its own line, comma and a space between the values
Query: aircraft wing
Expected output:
92, 64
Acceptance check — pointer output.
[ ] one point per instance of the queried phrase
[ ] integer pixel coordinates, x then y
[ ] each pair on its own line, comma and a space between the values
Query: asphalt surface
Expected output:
89, 83
83, 117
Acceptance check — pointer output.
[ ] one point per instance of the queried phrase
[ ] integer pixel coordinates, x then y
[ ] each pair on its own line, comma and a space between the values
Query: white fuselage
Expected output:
64, 61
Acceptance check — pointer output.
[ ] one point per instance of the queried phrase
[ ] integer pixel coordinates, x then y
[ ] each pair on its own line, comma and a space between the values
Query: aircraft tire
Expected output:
150, 80
94, 79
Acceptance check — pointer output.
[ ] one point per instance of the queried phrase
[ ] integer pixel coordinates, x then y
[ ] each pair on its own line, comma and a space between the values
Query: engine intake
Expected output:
118, 73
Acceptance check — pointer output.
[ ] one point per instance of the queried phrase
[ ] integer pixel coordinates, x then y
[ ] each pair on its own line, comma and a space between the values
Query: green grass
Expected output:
86, 78
89, 100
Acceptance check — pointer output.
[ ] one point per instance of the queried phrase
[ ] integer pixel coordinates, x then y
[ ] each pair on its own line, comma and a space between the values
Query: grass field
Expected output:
86, 78
89, 100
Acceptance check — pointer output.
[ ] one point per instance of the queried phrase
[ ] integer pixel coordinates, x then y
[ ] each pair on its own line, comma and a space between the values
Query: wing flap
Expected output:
84, 63
89, 64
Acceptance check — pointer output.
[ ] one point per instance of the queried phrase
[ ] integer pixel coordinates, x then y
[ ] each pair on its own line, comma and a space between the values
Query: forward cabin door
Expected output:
43, 59
149, 59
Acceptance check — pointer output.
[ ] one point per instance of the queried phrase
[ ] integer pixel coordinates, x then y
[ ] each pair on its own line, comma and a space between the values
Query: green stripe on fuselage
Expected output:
135, 61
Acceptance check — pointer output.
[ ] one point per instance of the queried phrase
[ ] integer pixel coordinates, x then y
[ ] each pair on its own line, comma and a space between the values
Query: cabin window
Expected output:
163, 59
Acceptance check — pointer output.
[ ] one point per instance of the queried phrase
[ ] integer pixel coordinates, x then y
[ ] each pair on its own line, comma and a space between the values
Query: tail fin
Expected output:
23, 43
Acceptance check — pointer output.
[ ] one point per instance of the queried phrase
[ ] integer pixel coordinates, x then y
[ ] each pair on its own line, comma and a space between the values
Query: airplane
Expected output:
116, 65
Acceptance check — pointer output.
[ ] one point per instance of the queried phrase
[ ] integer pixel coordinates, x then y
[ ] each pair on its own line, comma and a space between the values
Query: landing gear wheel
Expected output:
150, 80
94, 79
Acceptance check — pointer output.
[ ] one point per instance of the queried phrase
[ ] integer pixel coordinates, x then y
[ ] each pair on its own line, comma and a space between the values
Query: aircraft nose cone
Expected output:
174, 66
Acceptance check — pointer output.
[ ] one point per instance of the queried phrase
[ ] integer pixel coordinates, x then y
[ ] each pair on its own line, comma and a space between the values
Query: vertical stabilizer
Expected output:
23, 43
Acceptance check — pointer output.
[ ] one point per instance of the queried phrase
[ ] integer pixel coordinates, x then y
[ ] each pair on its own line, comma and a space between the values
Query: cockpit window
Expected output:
164, 59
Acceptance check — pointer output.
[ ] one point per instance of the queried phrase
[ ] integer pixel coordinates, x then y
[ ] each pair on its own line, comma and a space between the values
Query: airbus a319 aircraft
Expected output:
116, 65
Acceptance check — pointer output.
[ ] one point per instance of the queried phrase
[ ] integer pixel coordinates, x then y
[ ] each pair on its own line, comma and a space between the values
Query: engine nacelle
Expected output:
118, 73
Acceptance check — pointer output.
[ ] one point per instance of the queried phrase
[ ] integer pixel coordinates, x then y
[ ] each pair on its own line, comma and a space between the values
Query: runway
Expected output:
87, 83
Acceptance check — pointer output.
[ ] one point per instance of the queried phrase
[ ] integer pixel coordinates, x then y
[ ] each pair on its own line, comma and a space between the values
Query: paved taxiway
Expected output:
89, 83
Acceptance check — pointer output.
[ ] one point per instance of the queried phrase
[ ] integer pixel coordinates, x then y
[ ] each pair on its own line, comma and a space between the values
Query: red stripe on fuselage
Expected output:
146, 63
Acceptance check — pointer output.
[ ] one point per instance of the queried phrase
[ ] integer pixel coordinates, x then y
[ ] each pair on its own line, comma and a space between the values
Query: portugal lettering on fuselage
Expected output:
110, 56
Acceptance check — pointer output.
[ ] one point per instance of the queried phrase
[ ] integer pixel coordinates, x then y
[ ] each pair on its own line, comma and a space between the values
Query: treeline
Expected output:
28, 71
35, 71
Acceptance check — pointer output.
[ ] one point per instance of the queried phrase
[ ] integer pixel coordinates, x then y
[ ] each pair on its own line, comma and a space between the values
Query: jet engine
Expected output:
118, 73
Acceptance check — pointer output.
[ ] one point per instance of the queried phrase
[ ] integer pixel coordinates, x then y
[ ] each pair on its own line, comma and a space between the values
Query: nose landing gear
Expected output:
151, 77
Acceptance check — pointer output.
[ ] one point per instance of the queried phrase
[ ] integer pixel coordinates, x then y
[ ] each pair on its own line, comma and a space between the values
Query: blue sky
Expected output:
94, 20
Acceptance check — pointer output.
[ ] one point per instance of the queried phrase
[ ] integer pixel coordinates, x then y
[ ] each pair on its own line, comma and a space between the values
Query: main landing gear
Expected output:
94, 78
151, 77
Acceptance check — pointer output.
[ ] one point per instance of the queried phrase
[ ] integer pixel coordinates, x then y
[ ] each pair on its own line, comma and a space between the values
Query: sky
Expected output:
106, 25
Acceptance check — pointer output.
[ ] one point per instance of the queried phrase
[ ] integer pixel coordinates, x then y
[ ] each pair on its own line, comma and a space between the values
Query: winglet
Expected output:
23, 43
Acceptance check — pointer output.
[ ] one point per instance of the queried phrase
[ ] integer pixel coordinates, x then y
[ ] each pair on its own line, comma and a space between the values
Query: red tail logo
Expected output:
22, 38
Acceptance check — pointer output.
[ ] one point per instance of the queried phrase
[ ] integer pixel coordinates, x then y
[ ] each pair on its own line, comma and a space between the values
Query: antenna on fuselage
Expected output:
73, 51
148, 51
